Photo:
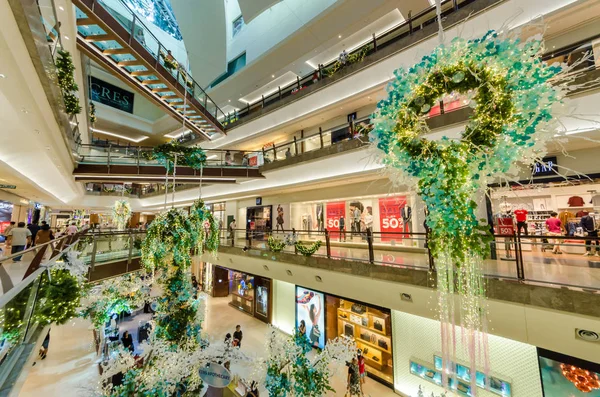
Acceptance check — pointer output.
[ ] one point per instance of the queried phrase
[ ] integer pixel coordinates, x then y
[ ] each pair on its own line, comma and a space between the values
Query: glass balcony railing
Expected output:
109, 153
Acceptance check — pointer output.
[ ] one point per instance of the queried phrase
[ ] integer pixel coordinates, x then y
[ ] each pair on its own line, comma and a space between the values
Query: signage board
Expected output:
259, 201
505, 227
8, 186
392, 212
111, 95
215, 375
548, 166
334, 211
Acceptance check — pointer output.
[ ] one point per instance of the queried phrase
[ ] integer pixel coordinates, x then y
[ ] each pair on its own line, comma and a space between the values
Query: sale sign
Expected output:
505, 227
334, 212
390, 217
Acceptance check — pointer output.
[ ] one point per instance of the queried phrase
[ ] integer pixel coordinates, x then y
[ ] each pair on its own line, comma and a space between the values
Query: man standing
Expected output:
357, 214
238, 335
232, 227
19, 238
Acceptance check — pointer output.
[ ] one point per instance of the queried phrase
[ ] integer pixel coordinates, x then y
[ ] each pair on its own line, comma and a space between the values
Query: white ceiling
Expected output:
32, 145
253, 8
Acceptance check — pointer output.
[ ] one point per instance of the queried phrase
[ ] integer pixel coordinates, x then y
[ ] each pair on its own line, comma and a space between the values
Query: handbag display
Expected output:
349, 330
365, 337
378, 326
359, 309
364, 321
373, 338
383, 344
355, 319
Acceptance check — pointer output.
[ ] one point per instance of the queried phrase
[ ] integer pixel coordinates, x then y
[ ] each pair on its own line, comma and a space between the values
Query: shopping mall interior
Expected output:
300, 198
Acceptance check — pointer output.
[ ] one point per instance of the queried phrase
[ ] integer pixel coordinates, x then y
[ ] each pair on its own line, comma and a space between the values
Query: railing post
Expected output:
130, 251
374, 42
158, 55
410, 26
131, 33
279, 88
298, 81
263, 101
442, 111
94, 250
519, 257
35, 263
321, 137
370, 244
455, 4
431, 261
327, 243
274, 153
108, 157
248, 107
295, 145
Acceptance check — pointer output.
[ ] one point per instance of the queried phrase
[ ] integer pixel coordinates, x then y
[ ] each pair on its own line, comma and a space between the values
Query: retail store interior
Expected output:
299, 198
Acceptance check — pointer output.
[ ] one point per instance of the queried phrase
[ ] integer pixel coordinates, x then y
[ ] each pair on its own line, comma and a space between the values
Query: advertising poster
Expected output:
310, 315
564, 376
334, 212
394, 218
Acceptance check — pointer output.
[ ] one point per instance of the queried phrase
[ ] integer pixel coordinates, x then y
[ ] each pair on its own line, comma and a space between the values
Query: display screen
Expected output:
566, 376
463, 374
310, 315
262, 300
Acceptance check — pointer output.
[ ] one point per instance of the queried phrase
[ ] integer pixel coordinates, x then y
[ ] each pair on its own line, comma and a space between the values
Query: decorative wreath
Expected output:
308, 250
190, 156
508, 87
275, 244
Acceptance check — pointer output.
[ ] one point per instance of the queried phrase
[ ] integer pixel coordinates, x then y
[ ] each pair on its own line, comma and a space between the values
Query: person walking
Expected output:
5, 234
34, 229
232, 227
555, 228
354, 386
238, 335
361, 366
342, 228
44, 348
19, 238
72, 229
127, 340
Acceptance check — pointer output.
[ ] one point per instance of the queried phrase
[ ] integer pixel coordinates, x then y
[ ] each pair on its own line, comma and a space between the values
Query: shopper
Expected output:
288, 153
19, 238
44, 235
357, 213
361, 366
232, 227
253, 392
354, 386
34, 229
342, 228
555, 228
44, 348
315, 77
71, 229
228, 339
343, 59
279, 218
238, 335
228, 160
128, 341
591, 229
6, 231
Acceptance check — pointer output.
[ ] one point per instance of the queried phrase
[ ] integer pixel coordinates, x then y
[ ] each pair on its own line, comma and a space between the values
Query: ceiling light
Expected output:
67, 37
340, 36
369, 97
230, 100
176, 134
24, 110
61, 8
120, 136
2, 76
273, 76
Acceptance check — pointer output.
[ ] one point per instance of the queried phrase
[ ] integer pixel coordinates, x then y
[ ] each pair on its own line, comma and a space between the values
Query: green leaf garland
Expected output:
66, 81
308, 250
191, 156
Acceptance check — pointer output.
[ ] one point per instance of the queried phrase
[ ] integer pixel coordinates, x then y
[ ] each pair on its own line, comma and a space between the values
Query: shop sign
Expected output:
334, 212
390, 217
111, 95
505, 227
215, 375
8, 186
256, 160
548, 166
259, 201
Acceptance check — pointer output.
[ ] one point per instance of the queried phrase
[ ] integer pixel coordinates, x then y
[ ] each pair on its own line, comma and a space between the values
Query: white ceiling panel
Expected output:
253, 8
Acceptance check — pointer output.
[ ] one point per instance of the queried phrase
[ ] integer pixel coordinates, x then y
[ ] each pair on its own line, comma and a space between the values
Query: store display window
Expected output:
259, 222
262, 307
370, 327
241, 288
564, 375
462, 383
310, 315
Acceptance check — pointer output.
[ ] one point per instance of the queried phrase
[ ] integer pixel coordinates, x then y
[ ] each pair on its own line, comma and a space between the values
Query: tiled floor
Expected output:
70, 369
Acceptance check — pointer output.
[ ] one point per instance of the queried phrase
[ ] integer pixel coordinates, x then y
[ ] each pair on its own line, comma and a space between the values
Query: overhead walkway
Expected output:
119, 164
111, 34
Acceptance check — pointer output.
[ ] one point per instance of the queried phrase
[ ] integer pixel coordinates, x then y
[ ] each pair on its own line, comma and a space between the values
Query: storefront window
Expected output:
259, 222
564, 375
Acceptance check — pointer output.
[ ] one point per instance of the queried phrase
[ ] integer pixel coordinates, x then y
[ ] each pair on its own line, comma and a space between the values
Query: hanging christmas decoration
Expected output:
513, 99
191, 156
66, 81
121, 213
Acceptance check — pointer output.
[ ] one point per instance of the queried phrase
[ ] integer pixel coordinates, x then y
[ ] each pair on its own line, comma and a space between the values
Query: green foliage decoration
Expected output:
310, 249
355, 57
191, 156
66, 81
93, 117
59, 297
275, 244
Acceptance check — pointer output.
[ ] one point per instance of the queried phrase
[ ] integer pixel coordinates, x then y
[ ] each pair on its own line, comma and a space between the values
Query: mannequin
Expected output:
521, 218
590, 226
406, 213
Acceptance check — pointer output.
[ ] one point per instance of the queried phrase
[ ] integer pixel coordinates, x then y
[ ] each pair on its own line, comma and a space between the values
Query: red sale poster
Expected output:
334, 212
390, 217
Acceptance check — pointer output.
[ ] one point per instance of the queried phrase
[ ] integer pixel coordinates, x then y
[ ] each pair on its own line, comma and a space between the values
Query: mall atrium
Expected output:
300, 198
